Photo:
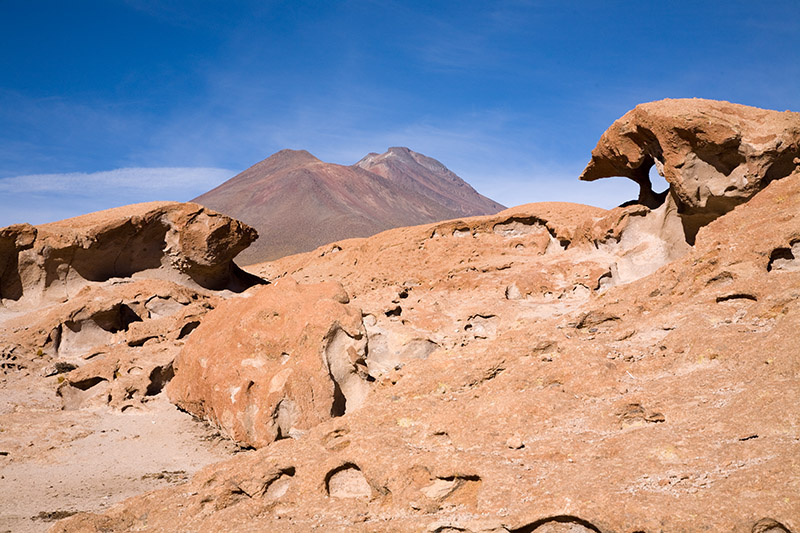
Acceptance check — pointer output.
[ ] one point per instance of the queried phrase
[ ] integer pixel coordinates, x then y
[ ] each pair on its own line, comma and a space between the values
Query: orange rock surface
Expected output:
550, 368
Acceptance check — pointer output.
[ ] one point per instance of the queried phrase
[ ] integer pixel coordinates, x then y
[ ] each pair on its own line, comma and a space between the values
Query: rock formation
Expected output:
549, 368
103, 300
297, 202
163, 240
274, 364
661, 404
715, 155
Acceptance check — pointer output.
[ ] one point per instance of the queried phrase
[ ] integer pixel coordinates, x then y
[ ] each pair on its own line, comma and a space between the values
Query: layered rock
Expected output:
274, 364
185, 243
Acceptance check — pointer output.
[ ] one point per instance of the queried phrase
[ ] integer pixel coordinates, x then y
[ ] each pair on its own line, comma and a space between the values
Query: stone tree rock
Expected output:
186, 243
274, 364
715, 155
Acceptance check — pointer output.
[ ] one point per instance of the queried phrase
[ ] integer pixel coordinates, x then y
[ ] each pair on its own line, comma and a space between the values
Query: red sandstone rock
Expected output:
715, 155
553, 367
163, 240
274, 364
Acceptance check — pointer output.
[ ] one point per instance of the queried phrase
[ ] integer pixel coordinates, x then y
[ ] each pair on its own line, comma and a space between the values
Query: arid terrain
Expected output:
552, 367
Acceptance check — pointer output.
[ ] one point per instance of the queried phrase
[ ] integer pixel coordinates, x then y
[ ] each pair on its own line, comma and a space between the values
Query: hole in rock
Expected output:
137, 343
347, 481
781, 167
279, 486
737, 296
159, 376
118, 318
86, 384
339, 405
658, 184
558, 524
396, 311
768, 525
188, 328
284, 417
785, 258
10, 280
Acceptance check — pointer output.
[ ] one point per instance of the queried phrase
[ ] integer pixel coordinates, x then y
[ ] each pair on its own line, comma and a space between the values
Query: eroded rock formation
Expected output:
103, 301
715, 155
550, 368
630, 407
274, 364
185, 243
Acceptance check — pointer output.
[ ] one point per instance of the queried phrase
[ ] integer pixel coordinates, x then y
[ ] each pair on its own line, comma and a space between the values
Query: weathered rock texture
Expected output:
164, 240
93, 311
552, 367
715, 155
104, 300
297, 202
567, 404
274, 364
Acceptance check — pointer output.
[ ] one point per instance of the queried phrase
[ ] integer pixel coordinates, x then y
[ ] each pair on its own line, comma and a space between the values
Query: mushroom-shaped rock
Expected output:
715, 155
186, 243
275, 363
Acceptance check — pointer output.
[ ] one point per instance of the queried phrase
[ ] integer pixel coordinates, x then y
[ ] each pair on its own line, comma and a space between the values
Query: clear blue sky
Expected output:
107, 102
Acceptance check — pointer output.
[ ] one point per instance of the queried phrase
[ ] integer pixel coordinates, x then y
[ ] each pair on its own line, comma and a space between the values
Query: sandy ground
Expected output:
54, 462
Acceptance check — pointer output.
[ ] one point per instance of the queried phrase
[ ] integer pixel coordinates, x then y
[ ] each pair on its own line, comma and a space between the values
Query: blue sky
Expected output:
108, 102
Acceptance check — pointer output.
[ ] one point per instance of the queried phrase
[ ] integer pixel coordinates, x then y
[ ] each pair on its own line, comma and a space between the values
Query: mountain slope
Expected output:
429, 178
297, 202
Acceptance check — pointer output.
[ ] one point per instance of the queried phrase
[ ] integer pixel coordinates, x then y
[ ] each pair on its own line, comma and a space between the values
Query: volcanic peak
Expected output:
298, 202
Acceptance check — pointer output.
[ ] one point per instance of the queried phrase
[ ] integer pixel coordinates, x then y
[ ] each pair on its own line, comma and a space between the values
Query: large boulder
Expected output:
715, 155
274, 364
186, 243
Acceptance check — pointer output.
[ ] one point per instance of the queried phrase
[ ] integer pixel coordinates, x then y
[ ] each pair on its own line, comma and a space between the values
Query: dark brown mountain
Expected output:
297, 202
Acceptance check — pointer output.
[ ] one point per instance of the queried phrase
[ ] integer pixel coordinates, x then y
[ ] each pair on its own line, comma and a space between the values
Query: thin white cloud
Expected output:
40, 198
144, 182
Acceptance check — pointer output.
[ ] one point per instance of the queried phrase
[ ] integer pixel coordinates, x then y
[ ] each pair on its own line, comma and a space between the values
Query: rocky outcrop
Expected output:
185, 243
274, 364
662, 404
715, 155
553, 367
102, 302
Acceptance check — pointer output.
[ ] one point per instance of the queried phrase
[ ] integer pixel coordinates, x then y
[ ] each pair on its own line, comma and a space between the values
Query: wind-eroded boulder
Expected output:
166, 240
274, 364
715, 155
